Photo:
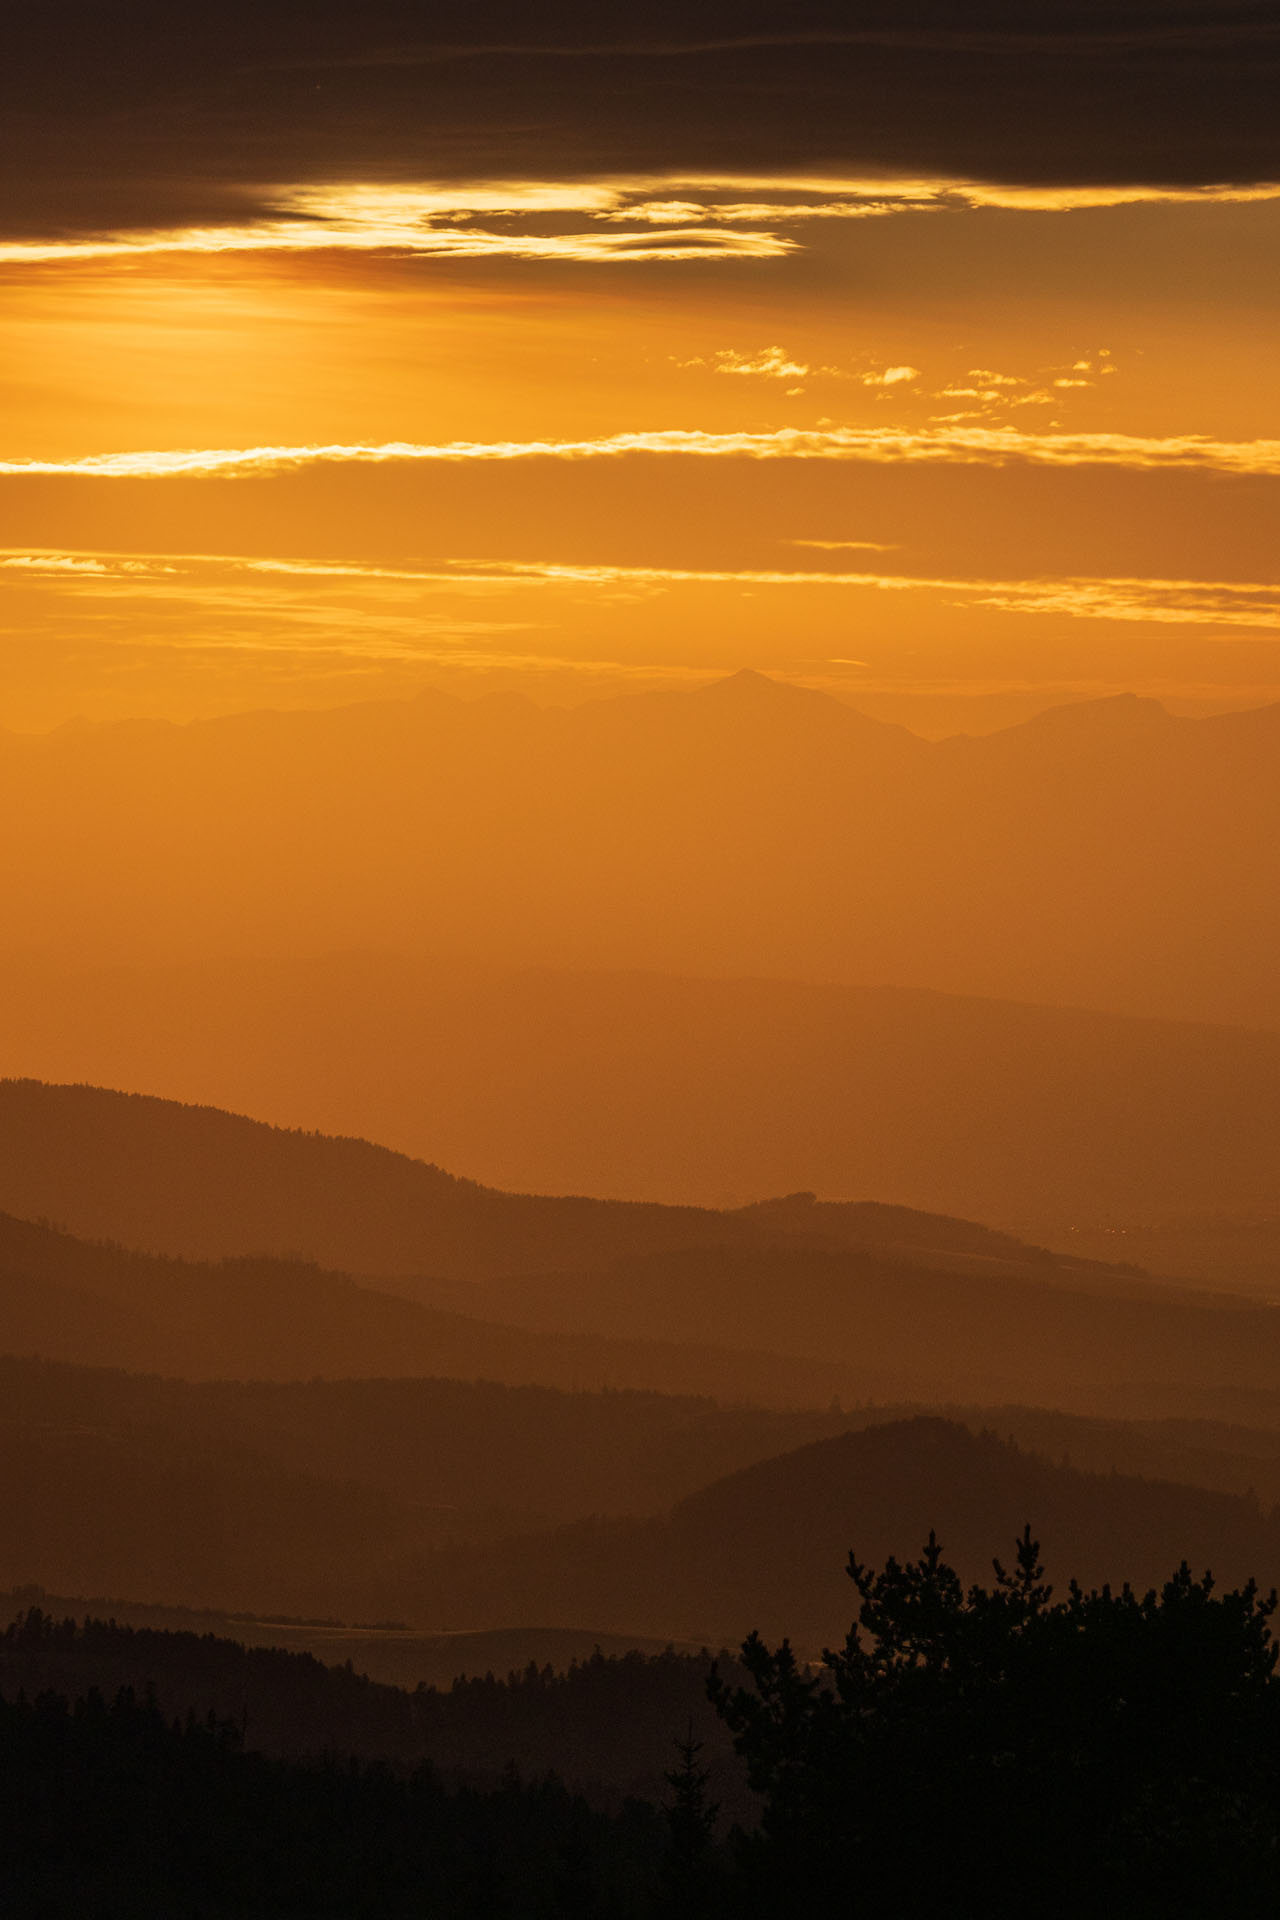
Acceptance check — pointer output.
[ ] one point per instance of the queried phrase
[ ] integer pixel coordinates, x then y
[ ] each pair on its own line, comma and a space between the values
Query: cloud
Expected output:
674, 217
116, 114
775, 363
770, 361
937, 443
851, 546
406, 221
228, 583
54, 563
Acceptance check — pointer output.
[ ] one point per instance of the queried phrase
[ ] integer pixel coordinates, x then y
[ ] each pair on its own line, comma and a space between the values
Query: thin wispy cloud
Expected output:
936, 443
239, 584
1189, 35
848, 546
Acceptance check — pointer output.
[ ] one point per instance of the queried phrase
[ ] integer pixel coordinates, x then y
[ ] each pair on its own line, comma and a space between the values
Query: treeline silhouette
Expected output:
604, 1724
987, 1751
113, 1812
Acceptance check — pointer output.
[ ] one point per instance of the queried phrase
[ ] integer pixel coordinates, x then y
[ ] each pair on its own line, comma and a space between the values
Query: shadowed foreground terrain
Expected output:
1124, 1744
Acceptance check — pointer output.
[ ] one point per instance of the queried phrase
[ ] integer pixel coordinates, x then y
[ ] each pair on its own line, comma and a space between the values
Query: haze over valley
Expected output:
639, 1007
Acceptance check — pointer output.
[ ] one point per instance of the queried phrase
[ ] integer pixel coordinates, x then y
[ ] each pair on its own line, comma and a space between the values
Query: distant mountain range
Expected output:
1104, 855
1052, 1120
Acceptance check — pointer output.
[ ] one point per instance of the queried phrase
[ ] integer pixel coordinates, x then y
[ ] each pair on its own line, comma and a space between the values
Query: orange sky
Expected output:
956, 448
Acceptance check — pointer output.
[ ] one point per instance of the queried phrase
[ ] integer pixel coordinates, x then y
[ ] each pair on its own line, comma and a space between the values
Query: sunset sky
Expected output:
932, 365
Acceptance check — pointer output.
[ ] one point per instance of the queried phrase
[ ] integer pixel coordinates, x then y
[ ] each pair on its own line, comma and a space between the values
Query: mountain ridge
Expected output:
717, 1091
753, 830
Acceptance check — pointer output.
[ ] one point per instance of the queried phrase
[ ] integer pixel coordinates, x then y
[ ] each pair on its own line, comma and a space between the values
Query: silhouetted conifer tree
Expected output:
1006, 1752
691, 1819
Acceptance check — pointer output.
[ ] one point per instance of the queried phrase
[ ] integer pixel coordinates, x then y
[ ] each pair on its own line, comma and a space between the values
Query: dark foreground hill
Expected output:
113, 1811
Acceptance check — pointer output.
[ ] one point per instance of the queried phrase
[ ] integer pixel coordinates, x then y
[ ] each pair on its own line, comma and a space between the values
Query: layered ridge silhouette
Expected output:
768, 1545
199, 1182
280, 1319
709, 1092
790, 1302
1106, 855
165, 1494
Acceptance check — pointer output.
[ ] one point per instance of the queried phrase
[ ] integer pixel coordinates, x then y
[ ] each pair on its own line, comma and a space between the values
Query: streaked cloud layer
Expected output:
977, 445
644, 344
1179, 602
637, 220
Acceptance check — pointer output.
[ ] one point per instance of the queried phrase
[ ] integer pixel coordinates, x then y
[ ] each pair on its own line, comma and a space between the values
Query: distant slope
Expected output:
272, 1319
706, 1091
203, 1183
926, 1326
442, 1459
792, 1303
767, 1547
459, 1454
1105, 855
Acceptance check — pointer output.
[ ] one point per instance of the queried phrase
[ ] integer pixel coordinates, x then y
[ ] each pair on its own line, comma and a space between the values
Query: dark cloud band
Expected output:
115, 114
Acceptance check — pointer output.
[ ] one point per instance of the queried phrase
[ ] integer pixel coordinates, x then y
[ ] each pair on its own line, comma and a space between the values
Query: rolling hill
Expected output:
205, 1184
429, 1504
789, 1303
766, 1548
712, 1092
275, 1319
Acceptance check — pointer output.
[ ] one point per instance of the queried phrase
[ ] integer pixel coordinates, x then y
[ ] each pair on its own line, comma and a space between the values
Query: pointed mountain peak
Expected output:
748, 684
